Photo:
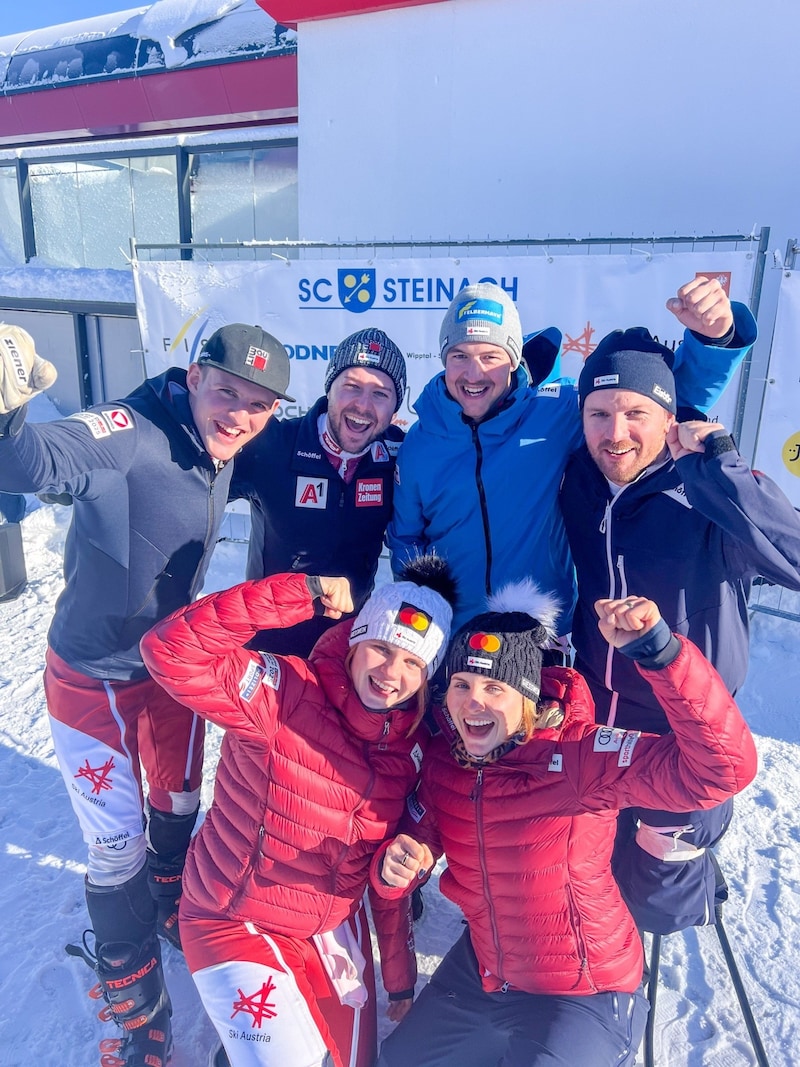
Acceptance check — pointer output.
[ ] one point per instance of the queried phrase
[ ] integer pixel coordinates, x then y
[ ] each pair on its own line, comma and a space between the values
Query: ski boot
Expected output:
168, 839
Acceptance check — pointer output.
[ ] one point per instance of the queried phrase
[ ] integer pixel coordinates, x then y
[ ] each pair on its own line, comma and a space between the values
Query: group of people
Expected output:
369, 731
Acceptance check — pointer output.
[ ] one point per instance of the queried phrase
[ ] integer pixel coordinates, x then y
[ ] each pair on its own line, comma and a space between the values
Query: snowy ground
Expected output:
47, 1019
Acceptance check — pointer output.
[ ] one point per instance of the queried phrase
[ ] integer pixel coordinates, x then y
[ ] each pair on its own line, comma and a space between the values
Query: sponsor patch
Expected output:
250, 680
414, 618
608, 739
118, 419
628, 745
478, 661
369, 492
96, 424
660, 391
416, 756
485, 642
488, 310
553, 389
256, 358
357, 631
393, 447
272, 670
478, 331
369, 354
379, 453
605, 379
311, 493
556, 762
415, 809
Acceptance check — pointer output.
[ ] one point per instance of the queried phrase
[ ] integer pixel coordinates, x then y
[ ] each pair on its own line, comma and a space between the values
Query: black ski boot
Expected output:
168, 839
133, 985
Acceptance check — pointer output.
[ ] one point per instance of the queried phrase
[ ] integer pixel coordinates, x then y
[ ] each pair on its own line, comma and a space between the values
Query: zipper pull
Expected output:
476, 788
386, 727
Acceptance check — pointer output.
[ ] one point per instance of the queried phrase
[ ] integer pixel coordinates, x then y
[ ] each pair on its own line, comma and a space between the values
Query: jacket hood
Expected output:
171, 392
541, 353
327, 657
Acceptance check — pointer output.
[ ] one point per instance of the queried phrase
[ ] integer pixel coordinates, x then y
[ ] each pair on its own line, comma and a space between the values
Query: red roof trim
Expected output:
228, 94
290, 12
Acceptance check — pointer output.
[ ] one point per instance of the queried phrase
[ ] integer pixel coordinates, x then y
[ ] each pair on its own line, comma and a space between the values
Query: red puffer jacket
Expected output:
309, 782
528, 838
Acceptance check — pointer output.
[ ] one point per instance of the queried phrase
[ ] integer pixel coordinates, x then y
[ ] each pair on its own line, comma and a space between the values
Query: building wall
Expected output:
530, 118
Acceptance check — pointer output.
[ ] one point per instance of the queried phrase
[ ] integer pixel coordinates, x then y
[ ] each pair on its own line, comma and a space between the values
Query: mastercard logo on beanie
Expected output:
485, 642
417, 619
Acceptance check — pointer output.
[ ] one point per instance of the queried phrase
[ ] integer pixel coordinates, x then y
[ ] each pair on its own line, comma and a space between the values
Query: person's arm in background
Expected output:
718, 335
405, 534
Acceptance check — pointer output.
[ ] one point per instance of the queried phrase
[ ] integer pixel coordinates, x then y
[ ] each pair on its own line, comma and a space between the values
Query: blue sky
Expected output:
32, 14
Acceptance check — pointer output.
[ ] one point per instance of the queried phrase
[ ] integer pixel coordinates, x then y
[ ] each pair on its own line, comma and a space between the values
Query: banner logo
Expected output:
357, 289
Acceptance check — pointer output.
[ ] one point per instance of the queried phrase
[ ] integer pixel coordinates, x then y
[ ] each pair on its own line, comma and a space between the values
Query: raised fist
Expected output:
23, 374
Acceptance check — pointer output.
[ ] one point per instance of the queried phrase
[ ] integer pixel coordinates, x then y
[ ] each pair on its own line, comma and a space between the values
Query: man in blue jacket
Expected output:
673, 511
478, 474
148, 477
320, 486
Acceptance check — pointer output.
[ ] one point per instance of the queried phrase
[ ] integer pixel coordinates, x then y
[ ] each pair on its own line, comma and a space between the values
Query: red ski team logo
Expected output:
118, 419
257, 1006
369, 492
414, 618
98, 776
257, 358
485, 642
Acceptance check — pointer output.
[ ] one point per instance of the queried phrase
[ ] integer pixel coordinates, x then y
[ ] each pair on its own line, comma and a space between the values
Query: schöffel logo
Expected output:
480, 309
357, 289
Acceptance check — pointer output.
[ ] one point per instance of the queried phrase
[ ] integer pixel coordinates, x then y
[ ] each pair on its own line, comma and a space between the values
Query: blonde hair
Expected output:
422, 693
539, 716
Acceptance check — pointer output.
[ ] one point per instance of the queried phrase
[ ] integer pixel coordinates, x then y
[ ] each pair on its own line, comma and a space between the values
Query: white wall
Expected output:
529, 118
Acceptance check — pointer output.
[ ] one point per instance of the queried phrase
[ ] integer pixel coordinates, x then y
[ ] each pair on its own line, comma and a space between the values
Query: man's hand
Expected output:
336, 597
683, 438
702, 305
622, 621
23, 374
404, 861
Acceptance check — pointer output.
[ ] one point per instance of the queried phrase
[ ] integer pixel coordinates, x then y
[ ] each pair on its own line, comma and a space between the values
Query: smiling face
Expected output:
625, 432
485, 712
228, 411
385, 676
361, 403
477, 376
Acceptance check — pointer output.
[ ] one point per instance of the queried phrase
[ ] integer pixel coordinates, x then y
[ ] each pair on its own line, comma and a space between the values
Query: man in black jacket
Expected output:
320, 486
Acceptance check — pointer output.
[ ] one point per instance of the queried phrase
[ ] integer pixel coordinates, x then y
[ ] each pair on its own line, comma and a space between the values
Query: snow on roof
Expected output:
184, 31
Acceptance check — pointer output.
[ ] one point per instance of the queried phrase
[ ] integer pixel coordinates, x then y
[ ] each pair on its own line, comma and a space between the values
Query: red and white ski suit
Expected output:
309, 784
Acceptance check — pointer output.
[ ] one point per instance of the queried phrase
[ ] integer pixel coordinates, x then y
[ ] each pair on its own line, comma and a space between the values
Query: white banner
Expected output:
311, 305
778, 447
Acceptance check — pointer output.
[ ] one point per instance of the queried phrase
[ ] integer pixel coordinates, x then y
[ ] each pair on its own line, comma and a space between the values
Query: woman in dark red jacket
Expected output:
522, 796
316, 764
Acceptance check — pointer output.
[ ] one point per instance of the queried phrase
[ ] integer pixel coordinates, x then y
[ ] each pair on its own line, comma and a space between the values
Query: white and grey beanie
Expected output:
414, 614
482, 313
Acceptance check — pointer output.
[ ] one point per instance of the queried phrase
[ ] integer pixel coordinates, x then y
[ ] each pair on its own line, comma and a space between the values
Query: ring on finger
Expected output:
405, 859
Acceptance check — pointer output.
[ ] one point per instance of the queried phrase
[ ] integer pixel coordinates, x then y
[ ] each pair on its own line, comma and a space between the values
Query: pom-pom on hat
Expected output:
482, 314
250, 353
631, 360
506, 642
374, 349
414, 613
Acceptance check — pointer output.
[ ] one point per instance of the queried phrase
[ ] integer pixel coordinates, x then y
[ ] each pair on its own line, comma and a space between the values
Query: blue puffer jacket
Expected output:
147, 507
485, 495
690, 535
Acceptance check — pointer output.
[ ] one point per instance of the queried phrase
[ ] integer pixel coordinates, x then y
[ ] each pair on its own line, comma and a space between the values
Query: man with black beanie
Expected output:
671, 510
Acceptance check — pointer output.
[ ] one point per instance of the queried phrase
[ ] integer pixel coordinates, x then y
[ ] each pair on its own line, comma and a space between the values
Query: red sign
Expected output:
290, 12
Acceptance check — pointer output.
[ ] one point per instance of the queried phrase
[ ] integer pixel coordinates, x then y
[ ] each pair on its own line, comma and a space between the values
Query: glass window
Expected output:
244, 195
12, 249
86, 211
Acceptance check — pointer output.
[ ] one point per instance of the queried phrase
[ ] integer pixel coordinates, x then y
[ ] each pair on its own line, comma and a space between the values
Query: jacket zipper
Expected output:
576, 926
487, 534
476, 796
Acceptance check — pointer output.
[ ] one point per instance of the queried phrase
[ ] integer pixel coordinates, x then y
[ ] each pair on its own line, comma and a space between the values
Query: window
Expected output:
12, 249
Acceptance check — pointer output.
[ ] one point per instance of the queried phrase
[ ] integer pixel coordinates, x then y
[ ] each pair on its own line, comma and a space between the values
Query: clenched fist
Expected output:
23, 374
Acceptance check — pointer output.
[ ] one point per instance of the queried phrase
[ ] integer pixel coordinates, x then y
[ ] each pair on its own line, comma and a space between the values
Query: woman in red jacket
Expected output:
315, 767
522, 796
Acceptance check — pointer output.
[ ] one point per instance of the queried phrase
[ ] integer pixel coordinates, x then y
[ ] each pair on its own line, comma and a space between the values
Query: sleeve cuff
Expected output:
655, 649
716, 342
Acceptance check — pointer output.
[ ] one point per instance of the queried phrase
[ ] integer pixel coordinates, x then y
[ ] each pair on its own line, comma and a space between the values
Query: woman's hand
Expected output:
405, 861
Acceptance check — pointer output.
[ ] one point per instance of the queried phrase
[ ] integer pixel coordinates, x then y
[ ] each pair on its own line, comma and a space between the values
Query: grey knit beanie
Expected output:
370, 348
482, 313
506, 642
